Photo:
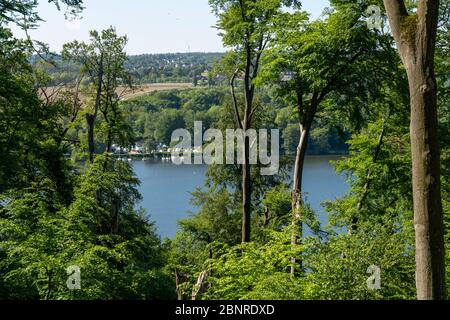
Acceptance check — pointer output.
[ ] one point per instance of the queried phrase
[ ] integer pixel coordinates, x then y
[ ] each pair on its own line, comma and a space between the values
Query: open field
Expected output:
55, 92
153, 87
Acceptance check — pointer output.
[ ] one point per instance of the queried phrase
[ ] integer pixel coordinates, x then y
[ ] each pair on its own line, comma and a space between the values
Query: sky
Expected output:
152, 26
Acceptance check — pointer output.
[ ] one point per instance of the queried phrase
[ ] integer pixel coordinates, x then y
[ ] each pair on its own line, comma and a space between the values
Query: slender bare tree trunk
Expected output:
91, 118
90, 121
199, 287
178, 282
246, 194
246, 170
305, 125
297, 192
415, 36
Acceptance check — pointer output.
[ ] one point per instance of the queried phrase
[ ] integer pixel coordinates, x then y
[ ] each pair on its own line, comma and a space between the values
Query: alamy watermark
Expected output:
374, 281
375, 19
211, 147
74, 279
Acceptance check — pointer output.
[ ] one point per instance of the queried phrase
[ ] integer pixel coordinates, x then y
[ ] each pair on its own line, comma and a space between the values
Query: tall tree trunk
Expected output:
297, 191
305, 125
415, 36
90, 118
428, 214
246, 194
90, 121
246, 170
199, 287
178, 282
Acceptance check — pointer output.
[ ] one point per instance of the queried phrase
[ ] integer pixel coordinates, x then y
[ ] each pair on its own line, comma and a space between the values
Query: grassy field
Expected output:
149, 88
53, 93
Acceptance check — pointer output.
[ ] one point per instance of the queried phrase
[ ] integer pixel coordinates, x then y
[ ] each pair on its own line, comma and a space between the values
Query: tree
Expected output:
103, 60
245, 26
315, 65
117, 83
18, 108
16, 10
415, 35
53, 216
40, 238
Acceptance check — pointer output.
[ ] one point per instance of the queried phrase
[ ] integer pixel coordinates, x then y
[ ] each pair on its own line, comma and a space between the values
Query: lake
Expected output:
166, 188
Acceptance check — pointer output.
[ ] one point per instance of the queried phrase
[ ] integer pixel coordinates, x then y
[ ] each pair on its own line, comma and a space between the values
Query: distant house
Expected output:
161, 148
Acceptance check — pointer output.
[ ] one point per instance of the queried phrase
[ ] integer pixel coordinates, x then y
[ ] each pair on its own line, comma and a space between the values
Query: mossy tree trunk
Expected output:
415, 35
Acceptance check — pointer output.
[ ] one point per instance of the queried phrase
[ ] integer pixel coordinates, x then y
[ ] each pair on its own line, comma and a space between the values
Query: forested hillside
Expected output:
155, 116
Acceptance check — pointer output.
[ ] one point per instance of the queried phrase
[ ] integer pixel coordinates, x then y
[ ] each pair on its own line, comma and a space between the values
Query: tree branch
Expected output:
233, 94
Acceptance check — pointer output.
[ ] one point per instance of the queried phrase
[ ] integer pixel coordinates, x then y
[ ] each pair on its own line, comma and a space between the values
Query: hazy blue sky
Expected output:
153, 26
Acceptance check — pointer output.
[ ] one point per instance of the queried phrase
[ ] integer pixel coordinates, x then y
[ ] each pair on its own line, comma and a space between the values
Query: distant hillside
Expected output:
173, 67
152, 68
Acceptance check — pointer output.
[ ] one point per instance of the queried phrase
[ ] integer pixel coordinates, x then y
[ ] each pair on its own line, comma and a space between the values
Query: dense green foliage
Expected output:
55, 213
59, 209
371, 226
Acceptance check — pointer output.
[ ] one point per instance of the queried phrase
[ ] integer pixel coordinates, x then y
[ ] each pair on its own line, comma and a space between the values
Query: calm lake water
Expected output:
166, 188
